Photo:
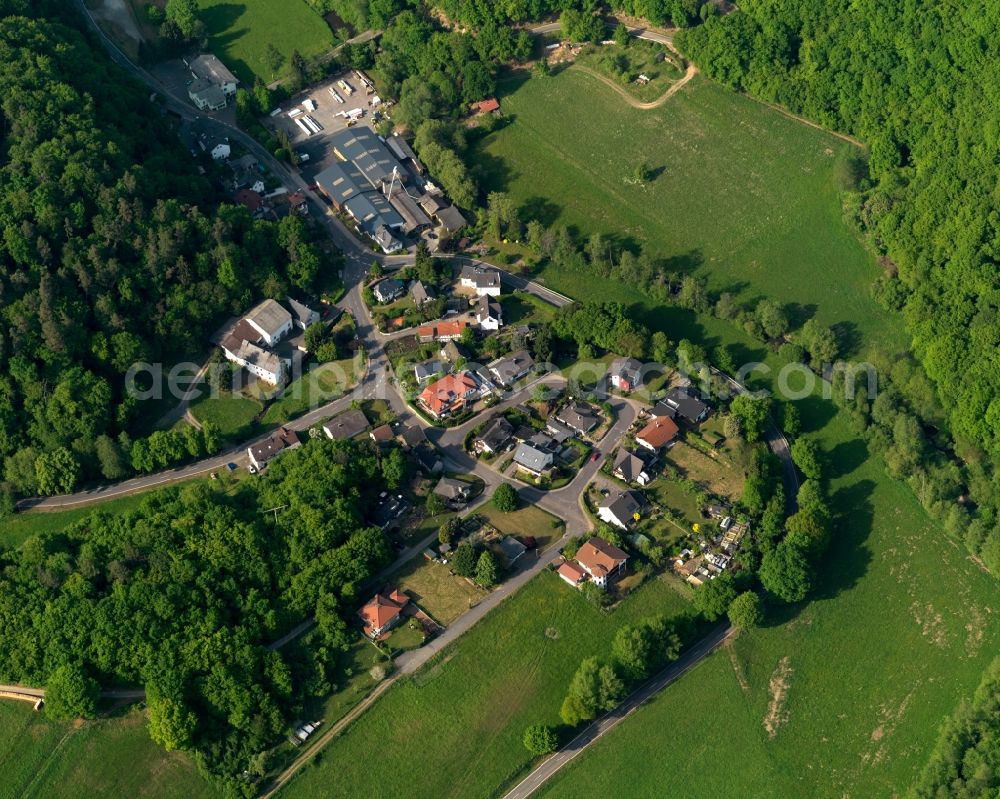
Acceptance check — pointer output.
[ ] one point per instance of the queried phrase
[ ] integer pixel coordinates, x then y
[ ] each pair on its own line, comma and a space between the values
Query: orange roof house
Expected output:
572, 573
488, 106
601, 560
660, 431
451, 392
442, 331
383, 612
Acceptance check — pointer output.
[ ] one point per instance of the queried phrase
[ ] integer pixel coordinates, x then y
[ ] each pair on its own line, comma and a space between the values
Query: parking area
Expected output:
329, 107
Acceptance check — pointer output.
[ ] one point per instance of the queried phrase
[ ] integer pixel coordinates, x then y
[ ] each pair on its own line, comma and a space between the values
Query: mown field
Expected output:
742, 194
40, 759
455, 727
239, 33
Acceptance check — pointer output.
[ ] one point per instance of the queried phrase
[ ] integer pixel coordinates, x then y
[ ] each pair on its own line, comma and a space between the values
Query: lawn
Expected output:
459, 721
525, 309
318, 386
720, 474
526, 520
109, 757
624, 65
239, 33
233, 414
443, 596
744, 196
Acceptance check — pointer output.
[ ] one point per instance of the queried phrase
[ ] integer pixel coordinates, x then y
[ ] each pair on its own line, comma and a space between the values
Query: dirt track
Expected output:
691, 71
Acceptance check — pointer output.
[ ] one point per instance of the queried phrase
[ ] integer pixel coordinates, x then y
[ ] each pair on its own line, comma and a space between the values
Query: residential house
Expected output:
426, 370
383, 612
216, 146
511, 549
572, 574
578, 416
630, 468
489, 314
382, 434
480, 279
532, 459
252, 200
453, 352
449, 218
622, 510
663, 409
213, 83
690, 407
413, 436
420, 293
280, 441
298, 203
449, 394
659, 433
488, 106
558, 432
346, 426
302, 315
262, 363
495, 436
447, 330
455, 492
626, 374
601, 561
510, 369
382, 236
388, 290
270, 320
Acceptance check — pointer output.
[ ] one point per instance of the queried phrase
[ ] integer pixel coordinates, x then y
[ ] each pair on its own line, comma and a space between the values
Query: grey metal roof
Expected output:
346, 425
372, 158
269, 316
532, 458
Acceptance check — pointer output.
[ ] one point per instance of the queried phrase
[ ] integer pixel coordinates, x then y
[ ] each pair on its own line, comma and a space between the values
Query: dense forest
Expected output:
113, 250
918, 82
182, 595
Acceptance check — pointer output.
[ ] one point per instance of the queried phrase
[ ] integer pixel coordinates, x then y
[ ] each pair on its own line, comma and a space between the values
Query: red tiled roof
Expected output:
442, 394
249, 199
597, 556
382, 433
443, 329
660, 431
381, 609
490, 104
571, 572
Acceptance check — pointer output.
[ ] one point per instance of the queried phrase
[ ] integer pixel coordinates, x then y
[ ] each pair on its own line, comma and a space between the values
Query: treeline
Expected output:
908, 80
965, 763
182, 595
113, 250
481, 15
904, 424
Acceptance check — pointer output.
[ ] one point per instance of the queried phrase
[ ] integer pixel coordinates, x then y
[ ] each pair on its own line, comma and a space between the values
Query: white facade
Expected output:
270, 320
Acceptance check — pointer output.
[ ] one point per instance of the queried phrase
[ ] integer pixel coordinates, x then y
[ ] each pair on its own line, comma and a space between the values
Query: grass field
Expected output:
744, 196
321, 384
232, 414
440, 594
40, 759
902, 623
239, 33
526, 520
720, 475
456, 726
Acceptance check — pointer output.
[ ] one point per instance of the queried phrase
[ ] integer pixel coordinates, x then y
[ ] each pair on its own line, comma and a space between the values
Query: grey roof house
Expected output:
532, 460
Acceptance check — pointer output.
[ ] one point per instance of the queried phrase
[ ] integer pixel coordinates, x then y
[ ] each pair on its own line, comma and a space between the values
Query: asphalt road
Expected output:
598, 728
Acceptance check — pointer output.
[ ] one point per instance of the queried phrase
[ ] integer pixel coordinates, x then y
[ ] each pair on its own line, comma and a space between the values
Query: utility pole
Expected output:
275, 511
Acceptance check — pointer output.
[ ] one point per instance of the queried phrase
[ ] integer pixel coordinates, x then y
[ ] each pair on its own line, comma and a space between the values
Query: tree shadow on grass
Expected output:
846, 457
799, 314
848, 557
848, 339
815, 412
540, 209
492, 172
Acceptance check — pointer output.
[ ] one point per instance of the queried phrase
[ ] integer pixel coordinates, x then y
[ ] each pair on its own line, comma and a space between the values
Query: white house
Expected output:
600, 560
260, 362
270, 320
273, 445
210, 69
481, 280
302, 315
489, 314
622, 510
387, 290
532, 460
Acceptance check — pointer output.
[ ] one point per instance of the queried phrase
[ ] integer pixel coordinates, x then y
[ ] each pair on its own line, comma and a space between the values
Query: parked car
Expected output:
595, 456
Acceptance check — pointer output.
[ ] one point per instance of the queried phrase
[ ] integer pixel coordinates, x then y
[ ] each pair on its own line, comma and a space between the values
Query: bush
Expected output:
505, 498
746, 610
540, 739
